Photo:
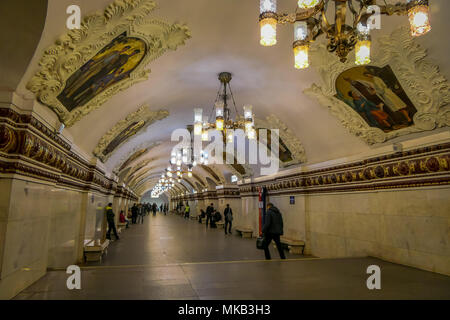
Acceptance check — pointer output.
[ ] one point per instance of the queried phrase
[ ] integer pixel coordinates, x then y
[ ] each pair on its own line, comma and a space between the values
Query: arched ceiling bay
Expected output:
21, 27
225, 37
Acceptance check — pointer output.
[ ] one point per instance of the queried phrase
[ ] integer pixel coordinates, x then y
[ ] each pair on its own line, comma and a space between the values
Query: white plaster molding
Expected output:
420, 78
143, 116
145, 145
73, 49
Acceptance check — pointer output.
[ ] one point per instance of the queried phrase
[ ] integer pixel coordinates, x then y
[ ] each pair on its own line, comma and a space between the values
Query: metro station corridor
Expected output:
169, 257
320, 125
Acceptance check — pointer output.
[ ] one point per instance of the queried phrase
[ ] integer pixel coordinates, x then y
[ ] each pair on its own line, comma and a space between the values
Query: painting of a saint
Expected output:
377, 96
131, 130
112, 64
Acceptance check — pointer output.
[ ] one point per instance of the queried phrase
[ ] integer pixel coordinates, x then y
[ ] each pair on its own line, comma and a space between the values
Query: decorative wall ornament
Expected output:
426, 166
77, 47
421, 80
135, 122
287, 137
28, 149
125, 160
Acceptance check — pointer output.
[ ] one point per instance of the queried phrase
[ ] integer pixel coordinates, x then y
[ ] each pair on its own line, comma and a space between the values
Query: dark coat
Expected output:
273, 223
209, 211
228, 214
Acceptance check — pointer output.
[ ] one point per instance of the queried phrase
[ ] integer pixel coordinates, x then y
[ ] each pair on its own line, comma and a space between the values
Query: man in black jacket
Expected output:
228, 214
209, 212
134, 213
111, 224
272, 230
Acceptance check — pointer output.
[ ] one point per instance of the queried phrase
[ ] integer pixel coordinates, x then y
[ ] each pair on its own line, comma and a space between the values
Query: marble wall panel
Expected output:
293, 216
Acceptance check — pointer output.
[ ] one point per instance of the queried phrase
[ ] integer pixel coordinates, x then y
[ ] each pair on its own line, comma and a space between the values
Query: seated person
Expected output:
201, 216
213, 220
217, 216
122, 218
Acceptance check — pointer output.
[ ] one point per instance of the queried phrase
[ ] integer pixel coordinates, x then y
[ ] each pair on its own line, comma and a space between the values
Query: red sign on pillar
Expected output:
260, 204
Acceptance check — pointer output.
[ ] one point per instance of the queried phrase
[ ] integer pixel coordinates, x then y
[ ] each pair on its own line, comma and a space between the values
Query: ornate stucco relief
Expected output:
420, 79
144, 117
73, 49
289, 138
124, 162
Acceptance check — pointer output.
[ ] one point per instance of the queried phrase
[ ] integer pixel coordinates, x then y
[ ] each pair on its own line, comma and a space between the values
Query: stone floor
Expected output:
168, 257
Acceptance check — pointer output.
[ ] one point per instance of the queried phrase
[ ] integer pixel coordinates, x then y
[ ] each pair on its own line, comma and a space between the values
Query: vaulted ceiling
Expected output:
225, 37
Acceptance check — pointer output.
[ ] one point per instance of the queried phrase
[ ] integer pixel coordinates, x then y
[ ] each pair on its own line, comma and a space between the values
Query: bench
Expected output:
94, 251
294, 246
120, 226
245, 232
220, 224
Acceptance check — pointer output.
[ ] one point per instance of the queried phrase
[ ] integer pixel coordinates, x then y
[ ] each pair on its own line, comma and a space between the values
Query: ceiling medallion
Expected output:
310, 21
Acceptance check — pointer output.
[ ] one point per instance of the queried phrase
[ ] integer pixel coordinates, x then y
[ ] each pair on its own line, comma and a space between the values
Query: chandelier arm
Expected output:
352, 9
234, 102
325, 26
214, 108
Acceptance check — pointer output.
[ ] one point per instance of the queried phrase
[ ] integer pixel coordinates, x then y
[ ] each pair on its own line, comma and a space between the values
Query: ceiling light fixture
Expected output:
223, 120
310, 21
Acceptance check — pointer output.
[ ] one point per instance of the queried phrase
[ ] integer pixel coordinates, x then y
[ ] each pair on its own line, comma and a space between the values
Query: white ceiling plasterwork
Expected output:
143, 115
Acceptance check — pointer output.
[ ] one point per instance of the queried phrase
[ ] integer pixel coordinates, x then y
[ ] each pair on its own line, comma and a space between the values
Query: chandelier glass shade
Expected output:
310, 21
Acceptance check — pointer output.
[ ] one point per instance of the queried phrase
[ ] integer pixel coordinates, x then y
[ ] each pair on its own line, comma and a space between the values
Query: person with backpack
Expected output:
228, 214
110, 219
272, 230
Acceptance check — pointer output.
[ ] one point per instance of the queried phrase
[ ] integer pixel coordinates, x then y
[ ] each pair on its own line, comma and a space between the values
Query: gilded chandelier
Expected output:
223, 120
310, 21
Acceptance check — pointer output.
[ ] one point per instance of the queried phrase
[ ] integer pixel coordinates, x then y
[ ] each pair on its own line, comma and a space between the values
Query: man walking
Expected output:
209, 212
111, 224
154, 207
272, 230
228, 214
134, 213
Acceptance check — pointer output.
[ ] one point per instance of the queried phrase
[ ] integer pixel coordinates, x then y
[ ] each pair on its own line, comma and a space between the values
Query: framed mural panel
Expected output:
399, 93
123, 130
109, 53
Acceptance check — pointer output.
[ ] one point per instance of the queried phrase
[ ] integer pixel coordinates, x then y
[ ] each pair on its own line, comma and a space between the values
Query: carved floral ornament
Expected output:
75, 48
420, 79
124, 129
